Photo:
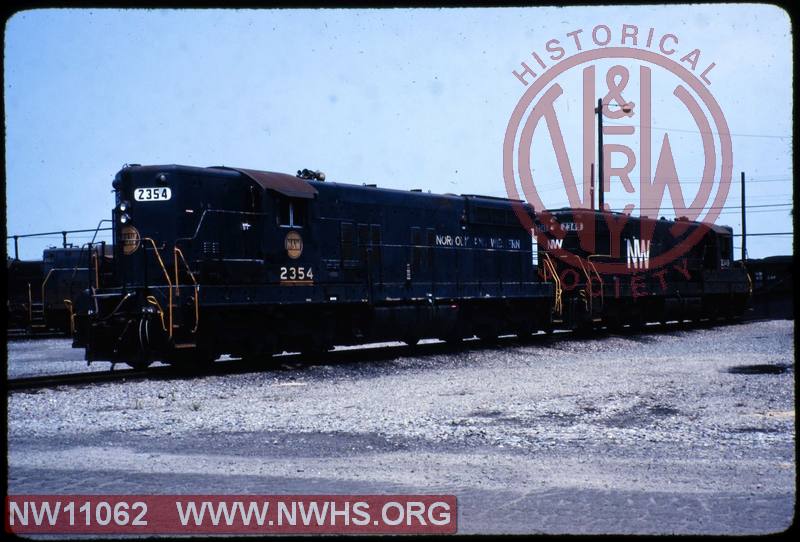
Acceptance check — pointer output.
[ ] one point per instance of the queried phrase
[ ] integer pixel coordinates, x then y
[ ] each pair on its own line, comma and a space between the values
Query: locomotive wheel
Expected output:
614, 322
729, 316
637, 321
261, 359
453, 339
523, 333
411, 341
144, 336
194, 361
139, 365
584, 328
315, 348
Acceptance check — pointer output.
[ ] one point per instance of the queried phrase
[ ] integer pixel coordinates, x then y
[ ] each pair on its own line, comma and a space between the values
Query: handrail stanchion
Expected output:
169, 282
599, 279
44, 282
96, 263
68, 304
557, 281
179, 253
30, 305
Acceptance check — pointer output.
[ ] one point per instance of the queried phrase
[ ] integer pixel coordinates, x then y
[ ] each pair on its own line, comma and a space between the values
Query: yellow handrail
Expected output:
96, 263
68, 304
556, 280
559, 306
599, 277
45, 282
30, 305
587, 290
153, 301
178, 252
166, 276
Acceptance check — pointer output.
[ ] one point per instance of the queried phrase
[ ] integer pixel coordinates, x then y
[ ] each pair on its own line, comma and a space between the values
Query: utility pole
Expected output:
591, 187
601, 180
744, 224
16, 247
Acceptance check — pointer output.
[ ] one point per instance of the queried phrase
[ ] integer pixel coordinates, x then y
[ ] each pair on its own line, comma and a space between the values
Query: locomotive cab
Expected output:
159, 209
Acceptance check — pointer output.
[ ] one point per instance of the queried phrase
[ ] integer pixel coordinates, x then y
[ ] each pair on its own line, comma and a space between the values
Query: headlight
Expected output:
123, 206
124, 218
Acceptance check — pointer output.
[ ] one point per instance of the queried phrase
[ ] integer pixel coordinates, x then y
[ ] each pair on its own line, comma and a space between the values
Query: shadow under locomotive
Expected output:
213, 261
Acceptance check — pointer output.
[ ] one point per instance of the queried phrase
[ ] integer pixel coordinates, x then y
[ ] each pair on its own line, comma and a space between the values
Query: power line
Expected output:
556, 185
699, 181
756, 212
722, 208
700, 131
765, 234
770, 205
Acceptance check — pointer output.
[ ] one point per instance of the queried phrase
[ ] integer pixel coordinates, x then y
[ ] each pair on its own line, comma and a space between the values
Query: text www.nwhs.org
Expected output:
165, 514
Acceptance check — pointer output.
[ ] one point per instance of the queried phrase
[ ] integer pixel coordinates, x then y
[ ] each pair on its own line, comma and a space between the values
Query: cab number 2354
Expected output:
297, 273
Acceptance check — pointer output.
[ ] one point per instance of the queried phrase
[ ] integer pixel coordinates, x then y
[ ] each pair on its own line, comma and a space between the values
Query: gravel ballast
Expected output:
669, 431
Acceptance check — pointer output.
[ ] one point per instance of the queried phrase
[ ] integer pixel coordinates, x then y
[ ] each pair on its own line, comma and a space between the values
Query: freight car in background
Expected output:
41, 293
773, 287
24, 290
67, 273
213, 261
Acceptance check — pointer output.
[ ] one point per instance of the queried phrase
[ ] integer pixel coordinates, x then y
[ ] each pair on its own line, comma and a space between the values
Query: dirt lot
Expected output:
647, 433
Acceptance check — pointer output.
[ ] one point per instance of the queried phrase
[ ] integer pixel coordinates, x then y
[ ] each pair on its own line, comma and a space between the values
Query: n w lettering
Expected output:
638, 254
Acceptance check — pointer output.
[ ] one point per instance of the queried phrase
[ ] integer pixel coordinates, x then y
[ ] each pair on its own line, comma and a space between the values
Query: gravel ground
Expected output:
40, 357
617, 433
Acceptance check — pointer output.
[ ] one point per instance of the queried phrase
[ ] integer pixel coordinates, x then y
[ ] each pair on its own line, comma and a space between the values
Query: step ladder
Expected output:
178, 324
37, 320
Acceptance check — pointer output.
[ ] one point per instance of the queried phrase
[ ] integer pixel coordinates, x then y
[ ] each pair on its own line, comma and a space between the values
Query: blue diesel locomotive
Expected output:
220, 260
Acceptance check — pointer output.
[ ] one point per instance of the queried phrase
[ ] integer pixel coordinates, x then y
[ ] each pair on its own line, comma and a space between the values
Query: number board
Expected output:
161, 193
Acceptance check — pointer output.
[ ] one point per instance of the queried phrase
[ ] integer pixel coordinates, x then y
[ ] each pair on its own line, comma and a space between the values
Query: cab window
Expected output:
291, 213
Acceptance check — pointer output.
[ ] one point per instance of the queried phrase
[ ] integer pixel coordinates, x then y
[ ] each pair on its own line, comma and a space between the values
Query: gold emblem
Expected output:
293, 244
130, 240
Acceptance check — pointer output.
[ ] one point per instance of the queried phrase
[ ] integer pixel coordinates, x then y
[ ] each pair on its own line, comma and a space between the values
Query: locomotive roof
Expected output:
288, 185
282, 183
713, 227
296, 187
371, 188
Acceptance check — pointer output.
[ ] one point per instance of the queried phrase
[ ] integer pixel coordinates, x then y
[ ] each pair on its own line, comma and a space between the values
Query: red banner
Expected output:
225, 514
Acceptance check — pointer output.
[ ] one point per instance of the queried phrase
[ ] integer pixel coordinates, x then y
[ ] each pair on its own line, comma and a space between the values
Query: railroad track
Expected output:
234, 366
31, 383
364, 353
24, 335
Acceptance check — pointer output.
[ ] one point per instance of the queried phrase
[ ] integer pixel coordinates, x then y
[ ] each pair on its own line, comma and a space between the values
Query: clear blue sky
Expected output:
416, 98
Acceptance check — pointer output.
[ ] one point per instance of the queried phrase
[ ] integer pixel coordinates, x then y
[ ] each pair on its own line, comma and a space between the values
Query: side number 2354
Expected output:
297, 273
